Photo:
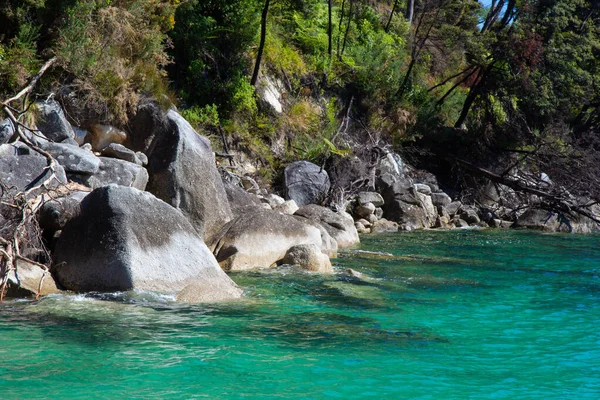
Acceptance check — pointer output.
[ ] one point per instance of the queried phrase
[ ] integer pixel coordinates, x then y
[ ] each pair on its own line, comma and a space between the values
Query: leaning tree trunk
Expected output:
387, 26
261, 46
329, 31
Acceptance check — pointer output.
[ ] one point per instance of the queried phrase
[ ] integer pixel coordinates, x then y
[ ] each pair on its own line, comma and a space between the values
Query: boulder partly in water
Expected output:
126, 239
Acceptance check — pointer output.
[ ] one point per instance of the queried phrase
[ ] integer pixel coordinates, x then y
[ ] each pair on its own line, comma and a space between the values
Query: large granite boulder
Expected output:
72, 158
126, 239
183, 173
52, 122
339, 226
119, 172
260, 239
23, 172
306, 183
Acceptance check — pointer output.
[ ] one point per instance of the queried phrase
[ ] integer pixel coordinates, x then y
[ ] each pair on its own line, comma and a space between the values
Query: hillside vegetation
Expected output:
513, 83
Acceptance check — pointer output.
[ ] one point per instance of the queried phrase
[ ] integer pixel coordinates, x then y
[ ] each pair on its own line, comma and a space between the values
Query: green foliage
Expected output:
211, 41
199, 117
115, 50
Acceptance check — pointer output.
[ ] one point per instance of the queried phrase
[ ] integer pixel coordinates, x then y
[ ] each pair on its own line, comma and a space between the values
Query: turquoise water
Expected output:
437, 315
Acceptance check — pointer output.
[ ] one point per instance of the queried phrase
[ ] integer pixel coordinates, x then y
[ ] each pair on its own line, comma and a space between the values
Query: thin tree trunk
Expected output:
261, 46
387, 26
329, 31
347, 27
340, 26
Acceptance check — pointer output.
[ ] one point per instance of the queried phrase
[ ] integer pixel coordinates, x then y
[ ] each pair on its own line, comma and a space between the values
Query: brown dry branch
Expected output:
21, 229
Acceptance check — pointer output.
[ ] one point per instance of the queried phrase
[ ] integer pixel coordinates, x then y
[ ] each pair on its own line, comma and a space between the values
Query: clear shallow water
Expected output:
438, 315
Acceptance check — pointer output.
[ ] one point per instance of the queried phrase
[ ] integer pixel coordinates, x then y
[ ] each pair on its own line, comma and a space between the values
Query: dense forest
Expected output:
467, 89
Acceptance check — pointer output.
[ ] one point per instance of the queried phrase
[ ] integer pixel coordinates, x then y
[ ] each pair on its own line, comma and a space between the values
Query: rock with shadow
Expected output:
125, 239
262, 239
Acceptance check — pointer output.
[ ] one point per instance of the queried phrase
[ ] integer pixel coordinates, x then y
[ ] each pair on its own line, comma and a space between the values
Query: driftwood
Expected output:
24, 204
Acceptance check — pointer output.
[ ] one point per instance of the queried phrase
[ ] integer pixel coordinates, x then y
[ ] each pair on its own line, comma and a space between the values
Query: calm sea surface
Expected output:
437, 315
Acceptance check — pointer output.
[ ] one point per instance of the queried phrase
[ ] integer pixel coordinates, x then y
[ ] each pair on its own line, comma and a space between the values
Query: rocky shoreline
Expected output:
149, 209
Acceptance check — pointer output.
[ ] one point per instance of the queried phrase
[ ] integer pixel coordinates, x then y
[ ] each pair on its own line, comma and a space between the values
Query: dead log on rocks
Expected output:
20, 236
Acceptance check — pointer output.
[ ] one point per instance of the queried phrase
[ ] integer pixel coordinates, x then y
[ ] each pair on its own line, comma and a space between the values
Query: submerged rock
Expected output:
126, 239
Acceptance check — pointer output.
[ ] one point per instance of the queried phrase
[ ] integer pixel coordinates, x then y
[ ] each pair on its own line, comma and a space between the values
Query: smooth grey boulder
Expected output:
306, 183
54, 214
126, 239
370, 197
538, 219
119, 172
52, 121
339, 226
288, 207
453, 207
423, 188
308, 257
72, 158
141, 158
6, 131
440, 199
260, 239
116, 150
23, 172
329, 245
384, 226
469, 214
184, 174
31, 280
273, 200
364, 210
240, 201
